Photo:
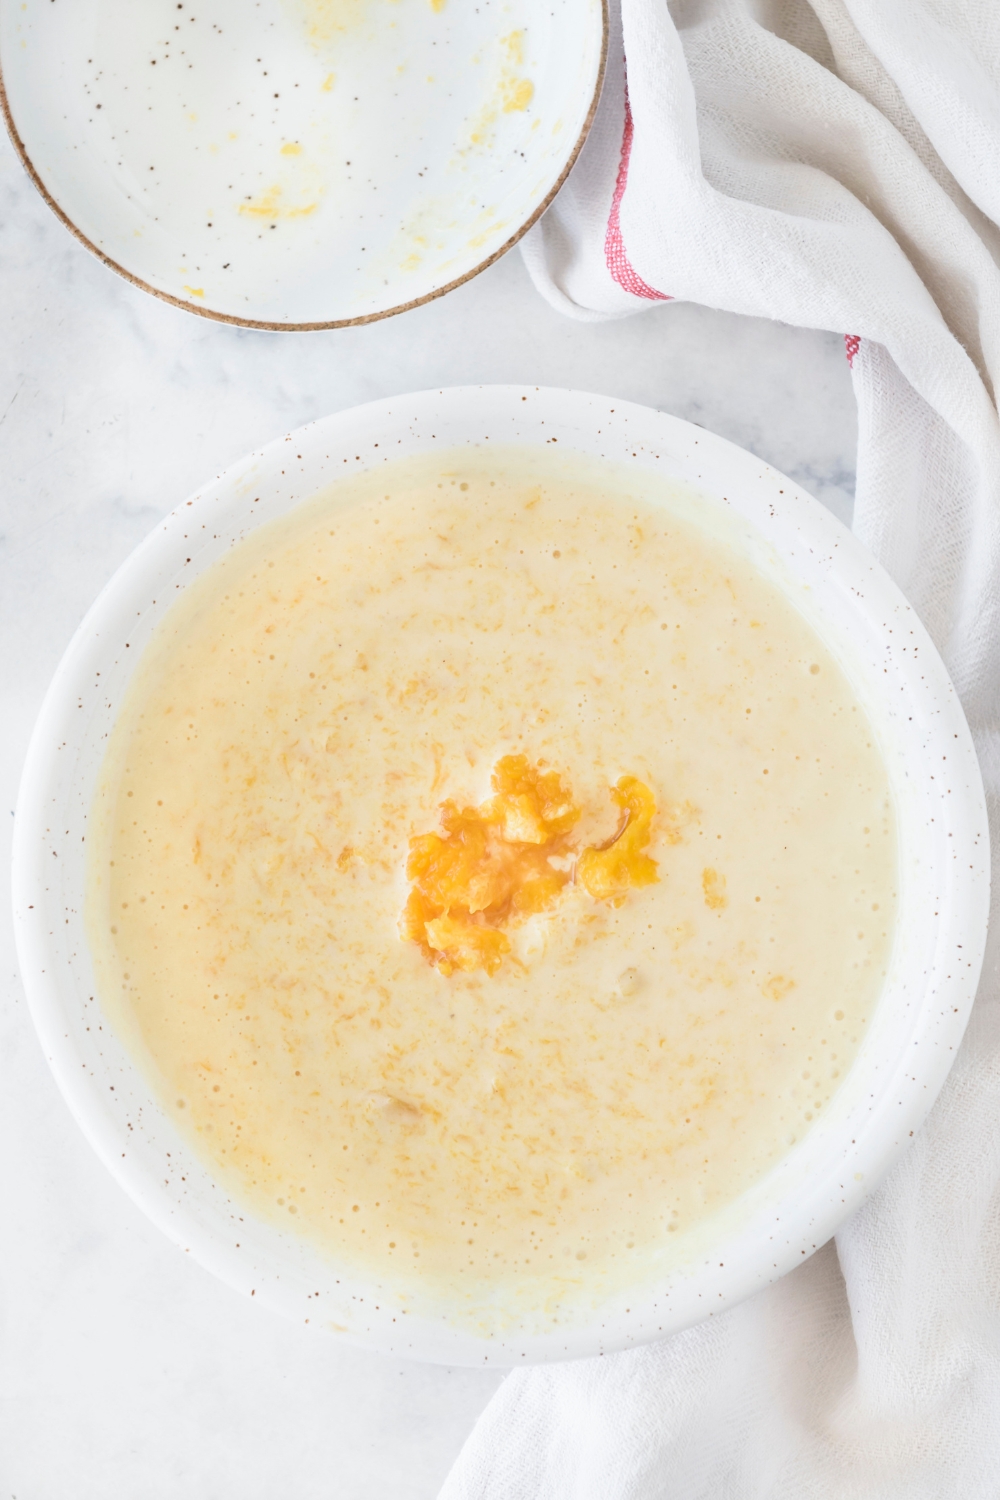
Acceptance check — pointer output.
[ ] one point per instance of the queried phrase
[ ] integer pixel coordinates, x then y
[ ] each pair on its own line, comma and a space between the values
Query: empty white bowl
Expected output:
300, 163
943, 893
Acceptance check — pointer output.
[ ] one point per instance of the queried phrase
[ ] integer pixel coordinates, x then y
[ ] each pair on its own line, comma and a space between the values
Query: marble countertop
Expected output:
126, 1371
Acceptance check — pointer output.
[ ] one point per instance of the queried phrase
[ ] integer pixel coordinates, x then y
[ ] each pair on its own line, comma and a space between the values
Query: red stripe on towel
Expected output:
852, 343
615, 253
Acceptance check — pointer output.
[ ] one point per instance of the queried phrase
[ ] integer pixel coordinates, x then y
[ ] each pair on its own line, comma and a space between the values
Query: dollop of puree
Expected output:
494, 865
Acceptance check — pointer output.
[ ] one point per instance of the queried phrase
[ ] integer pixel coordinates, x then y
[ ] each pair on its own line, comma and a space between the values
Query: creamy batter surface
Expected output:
494, 872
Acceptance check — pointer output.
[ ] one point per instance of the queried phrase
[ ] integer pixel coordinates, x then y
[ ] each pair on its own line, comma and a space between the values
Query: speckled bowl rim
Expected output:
375, 317
869, 1127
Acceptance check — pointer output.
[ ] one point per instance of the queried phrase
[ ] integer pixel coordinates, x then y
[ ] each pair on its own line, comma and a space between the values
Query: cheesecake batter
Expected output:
641, 1049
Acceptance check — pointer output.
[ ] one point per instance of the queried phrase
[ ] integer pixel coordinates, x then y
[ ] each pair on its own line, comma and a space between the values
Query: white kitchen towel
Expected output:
833, 164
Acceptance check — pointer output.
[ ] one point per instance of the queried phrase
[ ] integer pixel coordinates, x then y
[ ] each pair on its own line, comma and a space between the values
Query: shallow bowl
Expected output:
300, 163
943, 893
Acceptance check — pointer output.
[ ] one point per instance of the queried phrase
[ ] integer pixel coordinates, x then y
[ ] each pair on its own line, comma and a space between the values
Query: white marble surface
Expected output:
127, 1372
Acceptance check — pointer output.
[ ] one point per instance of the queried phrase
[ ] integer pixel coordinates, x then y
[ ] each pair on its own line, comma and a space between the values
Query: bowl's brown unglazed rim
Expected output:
375, 317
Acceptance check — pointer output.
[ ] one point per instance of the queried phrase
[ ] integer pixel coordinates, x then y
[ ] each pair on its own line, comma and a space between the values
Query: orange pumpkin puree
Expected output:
494, 864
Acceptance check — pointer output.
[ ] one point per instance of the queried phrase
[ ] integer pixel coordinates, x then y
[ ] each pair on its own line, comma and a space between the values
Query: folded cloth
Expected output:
833, 164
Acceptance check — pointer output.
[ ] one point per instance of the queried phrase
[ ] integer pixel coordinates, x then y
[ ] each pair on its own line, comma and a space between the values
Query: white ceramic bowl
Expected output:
944, 859
300, 163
